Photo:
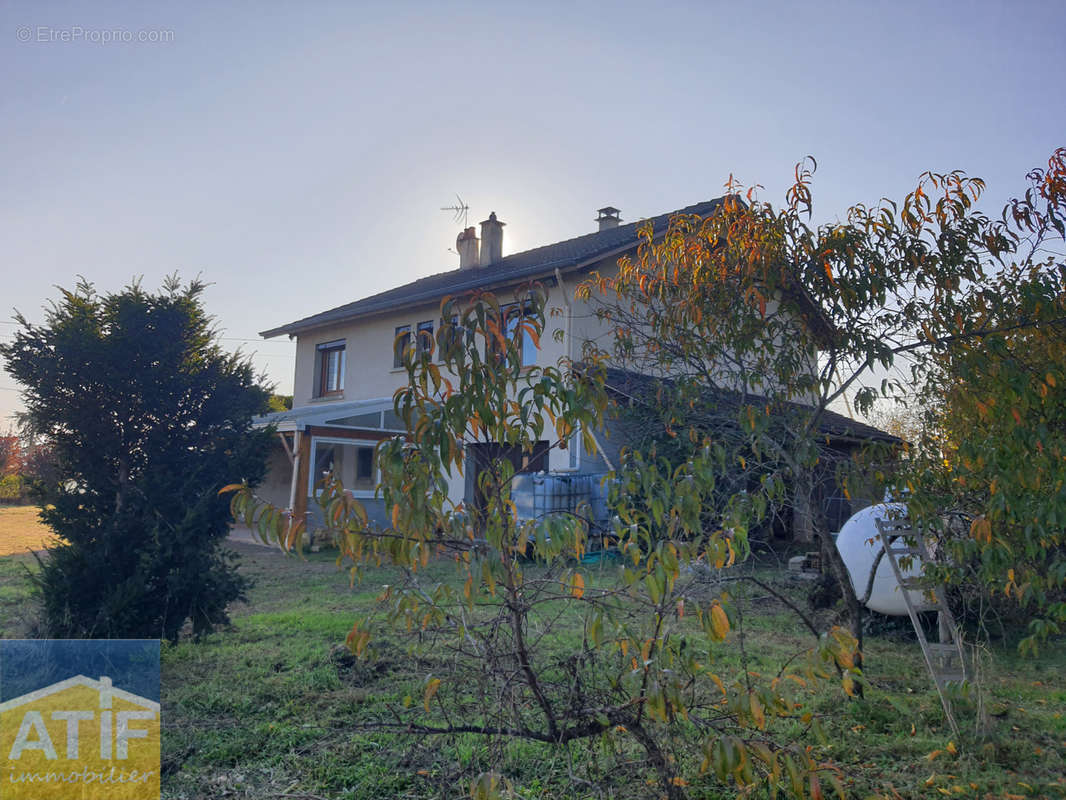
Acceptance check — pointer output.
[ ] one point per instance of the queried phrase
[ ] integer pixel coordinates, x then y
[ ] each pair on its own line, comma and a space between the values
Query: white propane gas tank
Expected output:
859, 552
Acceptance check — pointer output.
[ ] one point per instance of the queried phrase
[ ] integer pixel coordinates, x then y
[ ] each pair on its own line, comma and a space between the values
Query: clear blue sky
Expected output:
296, 154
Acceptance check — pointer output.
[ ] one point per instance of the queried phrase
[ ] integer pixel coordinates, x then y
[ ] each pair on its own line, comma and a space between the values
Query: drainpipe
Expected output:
569, 311
569, 315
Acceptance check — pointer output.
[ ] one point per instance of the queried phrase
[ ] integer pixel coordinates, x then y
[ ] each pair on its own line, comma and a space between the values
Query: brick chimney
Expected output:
466, 245
608, 218
491, 240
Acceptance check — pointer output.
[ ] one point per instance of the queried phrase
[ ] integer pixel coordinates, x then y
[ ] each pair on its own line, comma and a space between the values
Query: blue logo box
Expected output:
79, 718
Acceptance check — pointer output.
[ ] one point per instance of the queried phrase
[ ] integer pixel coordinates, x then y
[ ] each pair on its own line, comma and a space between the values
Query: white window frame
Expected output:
312, 477
528, 351
574, 447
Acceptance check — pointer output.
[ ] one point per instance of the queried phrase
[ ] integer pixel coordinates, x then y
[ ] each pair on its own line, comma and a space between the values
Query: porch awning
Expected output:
377, 414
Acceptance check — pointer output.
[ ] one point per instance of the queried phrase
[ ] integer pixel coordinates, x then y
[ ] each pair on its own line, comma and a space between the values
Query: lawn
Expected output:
272, 708
21, 531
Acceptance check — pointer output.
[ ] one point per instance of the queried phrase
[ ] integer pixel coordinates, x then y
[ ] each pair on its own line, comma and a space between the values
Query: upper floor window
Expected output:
400, 343
424, 342
525, 344
329, 368
513, 317
450, 336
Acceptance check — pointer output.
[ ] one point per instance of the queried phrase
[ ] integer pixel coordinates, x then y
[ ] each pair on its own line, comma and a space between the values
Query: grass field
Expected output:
21, 531
271, 708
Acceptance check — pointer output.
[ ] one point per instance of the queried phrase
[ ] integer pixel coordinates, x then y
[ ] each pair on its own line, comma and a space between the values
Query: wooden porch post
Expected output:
301, 468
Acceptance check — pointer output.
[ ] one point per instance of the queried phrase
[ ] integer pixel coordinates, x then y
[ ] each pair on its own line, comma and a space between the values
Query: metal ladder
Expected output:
945, 659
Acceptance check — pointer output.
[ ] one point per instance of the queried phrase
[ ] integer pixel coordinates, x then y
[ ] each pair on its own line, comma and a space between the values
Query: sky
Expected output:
296, 155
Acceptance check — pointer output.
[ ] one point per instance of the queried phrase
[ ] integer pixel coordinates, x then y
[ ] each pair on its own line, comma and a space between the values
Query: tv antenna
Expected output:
460, 211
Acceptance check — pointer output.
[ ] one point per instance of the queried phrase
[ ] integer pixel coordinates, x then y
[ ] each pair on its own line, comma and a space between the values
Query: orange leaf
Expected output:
816, 787
431, 689
981, 530
531, 330
577, 585
719, 622
757, 713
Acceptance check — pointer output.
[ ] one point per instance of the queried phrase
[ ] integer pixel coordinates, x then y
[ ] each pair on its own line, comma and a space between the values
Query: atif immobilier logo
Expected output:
66, 735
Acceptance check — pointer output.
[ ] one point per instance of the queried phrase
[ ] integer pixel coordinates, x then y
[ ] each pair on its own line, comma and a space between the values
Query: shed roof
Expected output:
831, 424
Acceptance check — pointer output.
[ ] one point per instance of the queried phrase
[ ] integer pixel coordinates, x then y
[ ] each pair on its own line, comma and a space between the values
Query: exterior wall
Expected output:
579, 324
278, 481
585, 326
369, 373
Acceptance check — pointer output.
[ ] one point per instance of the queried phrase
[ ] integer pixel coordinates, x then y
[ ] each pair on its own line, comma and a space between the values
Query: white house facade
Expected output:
347, 366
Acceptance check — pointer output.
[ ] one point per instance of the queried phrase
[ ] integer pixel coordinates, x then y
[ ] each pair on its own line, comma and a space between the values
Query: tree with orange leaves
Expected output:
757, 322
993, 451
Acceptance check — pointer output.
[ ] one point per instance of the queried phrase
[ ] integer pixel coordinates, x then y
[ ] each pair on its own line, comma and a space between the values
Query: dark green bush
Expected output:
146, 418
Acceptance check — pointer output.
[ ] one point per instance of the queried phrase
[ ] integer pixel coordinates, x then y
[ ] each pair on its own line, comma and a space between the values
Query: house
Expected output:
348, 364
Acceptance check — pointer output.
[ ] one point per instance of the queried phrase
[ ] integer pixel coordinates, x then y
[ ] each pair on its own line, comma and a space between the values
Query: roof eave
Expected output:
546, 271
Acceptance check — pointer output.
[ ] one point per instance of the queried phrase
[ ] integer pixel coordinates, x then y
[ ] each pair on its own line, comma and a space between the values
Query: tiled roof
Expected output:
837, 426
565, 255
